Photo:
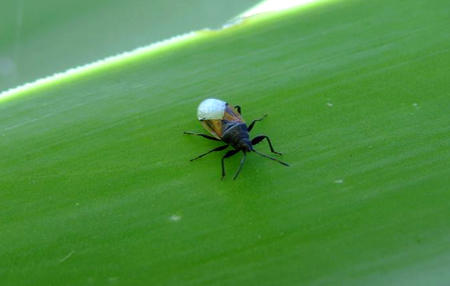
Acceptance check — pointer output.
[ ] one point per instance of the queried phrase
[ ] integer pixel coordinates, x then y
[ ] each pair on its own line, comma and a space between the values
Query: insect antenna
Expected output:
271, 158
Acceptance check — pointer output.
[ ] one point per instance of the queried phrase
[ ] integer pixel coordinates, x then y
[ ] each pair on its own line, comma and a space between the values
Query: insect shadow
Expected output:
226, 125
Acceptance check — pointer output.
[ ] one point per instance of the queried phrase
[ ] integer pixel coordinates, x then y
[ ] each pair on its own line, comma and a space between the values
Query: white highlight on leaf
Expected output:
175, 217
273, 6
338, 181
97, 64
66, 257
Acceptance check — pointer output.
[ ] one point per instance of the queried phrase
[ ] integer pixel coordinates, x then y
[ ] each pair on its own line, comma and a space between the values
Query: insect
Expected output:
225, 124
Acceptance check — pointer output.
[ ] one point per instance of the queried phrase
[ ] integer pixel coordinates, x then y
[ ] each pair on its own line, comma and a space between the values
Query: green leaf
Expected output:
97, 187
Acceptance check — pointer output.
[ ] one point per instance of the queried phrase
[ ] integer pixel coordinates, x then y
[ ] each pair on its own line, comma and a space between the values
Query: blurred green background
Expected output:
39, 38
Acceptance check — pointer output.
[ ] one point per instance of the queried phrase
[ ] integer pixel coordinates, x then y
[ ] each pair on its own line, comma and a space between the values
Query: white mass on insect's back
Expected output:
210, 109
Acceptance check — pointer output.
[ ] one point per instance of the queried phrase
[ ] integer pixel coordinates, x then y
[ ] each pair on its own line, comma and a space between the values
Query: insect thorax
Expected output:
236, 134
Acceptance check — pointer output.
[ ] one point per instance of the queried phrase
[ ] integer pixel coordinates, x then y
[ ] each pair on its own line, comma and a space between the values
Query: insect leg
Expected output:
203, 135
259, 138
271, 158
250, 127
240, 166
238, 108
213, 150
228, 154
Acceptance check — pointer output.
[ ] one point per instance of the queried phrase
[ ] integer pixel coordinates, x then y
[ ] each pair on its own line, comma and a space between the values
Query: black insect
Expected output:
225, 123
